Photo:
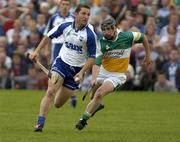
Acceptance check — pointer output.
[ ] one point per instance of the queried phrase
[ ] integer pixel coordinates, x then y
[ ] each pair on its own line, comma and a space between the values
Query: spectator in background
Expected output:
17, 27
32, 78
163, 13
41, 24
19, 69
2, 33
163, 85
74, 4
124, 26
3, 42
9, 14
149, 78
44, 9
171, 68
94, 8
150, 31
32, 12
5, 80
5, 61
173, 28
13, 46
139, 22
33, 40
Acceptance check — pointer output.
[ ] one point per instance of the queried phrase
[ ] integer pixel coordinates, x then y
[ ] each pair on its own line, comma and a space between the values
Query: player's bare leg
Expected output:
62, 95
103, 90
53, 84
101, 106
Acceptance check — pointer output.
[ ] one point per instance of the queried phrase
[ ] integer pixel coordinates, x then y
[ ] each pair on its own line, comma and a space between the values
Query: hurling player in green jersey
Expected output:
111, 65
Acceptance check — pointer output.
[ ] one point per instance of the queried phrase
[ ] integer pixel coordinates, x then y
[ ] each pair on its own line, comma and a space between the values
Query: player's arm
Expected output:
96, 69
91, 52
147, 50
141, 38
88, 64
42, 44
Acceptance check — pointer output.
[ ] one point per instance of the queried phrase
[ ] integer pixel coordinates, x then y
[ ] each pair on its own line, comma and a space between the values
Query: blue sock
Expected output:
41, 120
73, 97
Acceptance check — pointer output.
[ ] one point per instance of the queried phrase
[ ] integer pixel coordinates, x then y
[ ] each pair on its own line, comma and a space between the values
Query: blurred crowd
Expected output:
22, 24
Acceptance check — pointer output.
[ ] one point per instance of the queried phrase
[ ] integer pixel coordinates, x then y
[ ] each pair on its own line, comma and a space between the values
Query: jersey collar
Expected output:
59, 13
76, 30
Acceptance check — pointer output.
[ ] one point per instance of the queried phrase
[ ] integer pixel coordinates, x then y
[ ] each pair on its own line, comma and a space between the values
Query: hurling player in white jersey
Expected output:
63, 15
76, 57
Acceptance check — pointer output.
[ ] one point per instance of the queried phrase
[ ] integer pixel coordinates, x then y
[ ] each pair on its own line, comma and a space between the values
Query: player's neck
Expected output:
78, 26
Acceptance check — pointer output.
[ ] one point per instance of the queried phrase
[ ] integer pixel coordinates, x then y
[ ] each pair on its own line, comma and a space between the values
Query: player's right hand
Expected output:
33, 56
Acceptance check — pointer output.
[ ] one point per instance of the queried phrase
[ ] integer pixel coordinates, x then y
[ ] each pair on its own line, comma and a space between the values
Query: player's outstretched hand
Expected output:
147, 61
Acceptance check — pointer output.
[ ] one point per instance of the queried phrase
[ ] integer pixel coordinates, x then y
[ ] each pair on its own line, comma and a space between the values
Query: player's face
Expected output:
109, 32
65, 6
82, 16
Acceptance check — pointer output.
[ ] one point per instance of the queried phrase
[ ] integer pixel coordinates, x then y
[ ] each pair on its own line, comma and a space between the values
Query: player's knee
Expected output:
50, 93
98, 95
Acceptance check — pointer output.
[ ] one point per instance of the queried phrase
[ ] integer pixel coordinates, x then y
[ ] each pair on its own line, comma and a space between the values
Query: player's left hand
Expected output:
147, 61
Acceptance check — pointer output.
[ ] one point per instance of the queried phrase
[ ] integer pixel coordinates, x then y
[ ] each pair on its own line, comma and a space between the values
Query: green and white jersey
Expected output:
114, 55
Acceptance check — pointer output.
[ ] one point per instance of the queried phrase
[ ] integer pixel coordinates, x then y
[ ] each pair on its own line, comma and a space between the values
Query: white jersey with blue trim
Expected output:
78, 44
55, 20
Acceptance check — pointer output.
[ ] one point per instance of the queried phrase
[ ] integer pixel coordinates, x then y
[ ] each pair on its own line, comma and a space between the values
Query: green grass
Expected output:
127, 117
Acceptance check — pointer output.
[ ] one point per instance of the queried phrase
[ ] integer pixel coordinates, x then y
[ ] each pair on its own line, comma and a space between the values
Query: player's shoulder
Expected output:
90, 29
66, 23
125, 34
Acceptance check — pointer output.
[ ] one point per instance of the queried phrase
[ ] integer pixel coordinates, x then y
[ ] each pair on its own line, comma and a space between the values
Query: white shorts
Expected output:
117, 79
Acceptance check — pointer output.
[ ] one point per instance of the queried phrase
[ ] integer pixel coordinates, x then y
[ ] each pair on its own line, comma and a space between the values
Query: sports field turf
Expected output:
127, 117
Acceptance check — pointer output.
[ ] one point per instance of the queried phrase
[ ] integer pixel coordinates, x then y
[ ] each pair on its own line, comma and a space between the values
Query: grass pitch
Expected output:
127, 117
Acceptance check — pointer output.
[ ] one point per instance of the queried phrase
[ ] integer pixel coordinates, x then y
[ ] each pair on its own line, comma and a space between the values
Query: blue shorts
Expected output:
67, 72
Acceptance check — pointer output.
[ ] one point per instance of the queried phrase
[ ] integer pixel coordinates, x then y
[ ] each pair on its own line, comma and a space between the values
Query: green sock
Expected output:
86, 116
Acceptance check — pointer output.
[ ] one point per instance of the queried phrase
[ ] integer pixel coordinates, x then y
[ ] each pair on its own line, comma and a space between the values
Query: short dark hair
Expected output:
81, 6
108, 23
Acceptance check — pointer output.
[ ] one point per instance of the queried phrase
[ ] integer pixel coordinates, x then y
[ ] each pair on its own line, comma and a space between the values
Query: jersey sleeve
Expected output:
58, 30
138, 37
98, 60
99, 55
91, 43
